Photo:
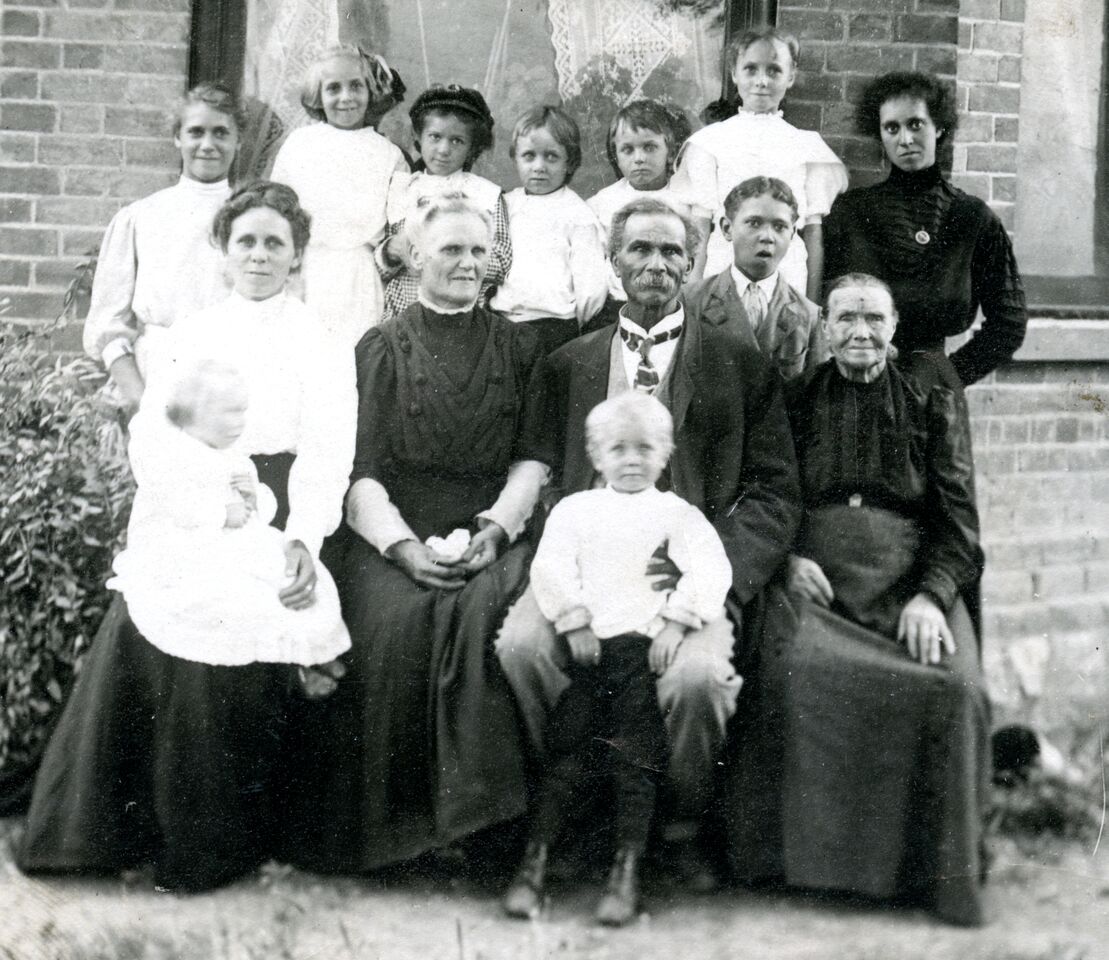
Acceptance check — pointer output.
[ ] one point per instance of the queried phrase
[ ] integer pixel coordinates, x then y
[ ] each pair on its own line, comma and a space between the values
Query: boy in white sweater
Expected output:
588, 577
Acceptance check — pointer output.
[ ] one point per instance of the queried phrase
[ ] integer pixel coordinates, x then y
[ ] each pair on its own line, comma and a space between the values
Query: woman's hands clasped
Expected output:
430, 569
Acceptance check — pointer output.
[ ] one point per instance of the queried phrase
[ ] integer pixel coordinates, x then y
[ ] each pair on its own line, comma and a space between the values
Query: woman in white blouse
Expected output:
157, 262
174, 761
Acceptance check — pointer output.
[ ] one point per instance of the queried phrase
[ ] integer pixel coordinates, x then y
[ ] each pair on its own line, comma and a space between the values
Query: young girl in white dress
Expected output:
757, 141
559, 275
642, 145
453, 127
342, 170
203, 567
156, 261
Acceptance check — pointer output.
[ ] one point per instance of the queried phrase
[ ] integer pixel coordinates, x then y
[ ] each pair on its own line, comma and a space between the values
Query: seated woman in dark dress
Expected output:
422, 748
863, 763
943, 252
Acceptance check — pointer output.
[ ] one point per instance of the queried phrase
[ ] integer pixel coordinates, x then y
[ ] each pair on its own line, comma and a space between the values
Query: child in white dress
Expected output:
203, 567
453, 127
757, 141
342, 171
559, 275
588, 577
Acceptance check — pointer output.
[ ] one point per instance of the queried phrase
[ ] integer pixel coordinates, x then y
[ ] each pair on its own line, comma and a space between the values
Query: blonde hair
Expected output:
626, 410
195, 388
372, 68
431, 209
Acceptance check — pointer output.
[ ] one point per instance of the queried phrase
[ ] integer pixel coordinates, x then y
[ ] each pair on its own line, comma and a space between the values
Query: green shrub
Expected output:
65, 488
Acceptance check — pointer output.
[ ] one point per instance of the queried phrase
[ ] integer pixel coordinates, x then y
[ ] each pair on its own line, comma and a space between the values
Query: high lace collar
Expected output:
219, 188
438, 311
262, 310
772, 115
915, 180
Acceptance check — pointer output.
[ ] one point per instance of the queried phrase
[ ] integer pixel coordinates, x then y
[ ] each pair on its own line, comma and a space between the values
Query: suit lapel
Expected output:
684, 375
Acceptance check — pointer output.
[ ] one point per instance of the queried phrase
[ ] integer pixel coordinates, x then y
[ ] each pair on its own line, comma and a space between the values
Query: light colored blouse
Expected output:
301, 390
559, 267
157, 263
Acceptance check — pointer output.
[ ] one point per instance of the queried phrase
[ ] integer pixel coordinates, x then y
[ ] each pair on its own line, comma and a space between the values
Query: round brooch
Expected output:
922, 237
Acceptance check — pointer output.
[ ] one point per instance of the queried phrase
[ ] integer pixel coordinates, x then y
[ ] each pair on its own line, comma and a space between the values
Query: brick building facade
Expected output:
85, 89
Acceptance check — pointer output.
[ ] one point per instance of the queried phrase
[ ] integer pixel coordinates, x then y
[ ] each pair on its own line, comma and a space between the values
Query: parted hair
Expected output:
373, 69
195, 387
737, 45
759, 187
562, 127
938, 97
218, 97
627, 410
655, 117
857, 280
649, 205
264, 193
430, 209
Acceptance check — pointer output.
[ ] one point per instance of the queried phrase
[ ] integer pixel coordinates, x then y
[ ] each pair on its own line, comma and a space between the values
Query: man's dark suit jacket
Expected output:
733, 454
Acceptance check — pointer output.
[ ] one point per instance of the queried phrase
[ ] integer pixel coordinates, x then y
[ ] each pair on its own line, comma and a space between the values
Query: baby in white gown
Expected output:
203, 568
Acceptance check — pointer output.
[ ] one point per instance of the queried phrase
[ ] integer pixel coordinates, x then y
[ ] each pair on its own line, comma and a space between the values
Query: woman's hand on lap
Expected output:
924, 629
425, 567
301, 593
485, 547
807, 580
585, 646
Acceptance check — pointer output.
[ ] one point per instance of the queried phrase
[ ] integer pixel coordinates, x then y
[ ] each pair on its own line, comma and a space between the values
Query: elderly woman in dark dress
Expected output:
862, 766
943, 252
423, 747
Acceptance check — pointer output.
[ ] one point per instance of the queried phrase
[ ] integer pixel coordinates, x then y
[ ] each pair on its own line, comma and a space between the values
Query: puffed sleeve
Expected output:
996, 285
706, 574
325, 442
953, 558
500, 256
111, 326
825, 179
370, 512
588, 268
556, 572
695, 179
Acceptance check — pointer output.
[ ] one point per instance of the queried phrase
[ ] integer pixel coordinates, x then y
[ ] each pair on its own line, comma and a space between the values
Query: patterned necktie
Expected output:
754, 303
646, 376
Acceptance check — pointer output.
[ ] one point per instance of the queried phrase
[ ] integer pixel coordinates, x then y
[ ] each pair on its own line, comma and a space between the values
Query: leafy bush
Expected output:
65, 488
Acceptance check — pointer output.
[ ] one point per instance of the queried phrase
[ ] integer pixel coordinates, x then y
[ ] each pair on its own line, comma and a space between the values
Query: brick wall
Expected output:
844, 43
1041, 444
86, 91
985, 163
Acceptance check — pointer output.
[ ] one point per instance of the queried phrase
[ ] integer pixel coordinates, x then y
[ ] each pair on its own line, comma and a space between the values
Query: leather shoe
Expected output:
620, 902
524, 898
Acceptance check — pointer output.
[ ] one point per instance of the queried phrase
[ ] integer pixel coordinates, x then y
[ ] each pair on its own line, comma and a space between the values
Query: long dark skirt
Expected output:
161, 760
158, 760
421, 746
857, 769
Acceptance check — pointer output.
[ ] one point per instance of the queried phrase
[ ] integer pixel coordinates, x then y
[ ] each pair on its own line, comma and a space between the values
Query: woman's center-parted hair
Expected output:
629, 411
195, 388
847, 280
216, 96
431, 209
562, 127
264, 193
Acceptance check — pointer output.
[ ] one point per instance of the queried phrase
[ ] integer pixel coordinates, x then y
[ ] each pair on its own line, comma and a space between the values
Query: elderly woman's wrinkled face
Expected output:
908, 133
451, 256
859, 324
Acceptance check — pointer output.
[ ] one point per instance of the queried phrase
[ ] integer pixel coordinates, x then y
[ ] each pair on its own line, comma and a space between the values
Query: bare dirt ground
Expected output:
1051, 904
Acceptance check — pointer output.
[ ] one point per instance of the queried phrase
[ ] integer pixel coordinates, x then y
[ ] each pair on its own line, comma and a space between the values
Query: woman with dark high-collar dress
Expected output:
863, 763
943, 252
423, 749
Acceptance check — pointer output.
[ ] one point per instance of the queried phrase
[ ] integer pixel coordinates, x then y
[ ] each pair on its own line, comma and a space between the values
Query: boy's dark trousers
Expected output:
613, 705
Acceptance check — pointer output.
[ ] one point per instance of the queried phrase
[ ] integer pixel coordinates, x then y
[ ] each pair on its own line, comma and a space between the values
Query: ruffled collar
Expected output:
437, 311
754, 115
915, 180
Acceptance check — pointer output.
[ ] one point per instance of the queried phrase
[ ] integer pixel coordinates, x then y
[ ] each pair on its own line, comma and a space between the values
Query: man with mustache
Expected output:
733, 459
